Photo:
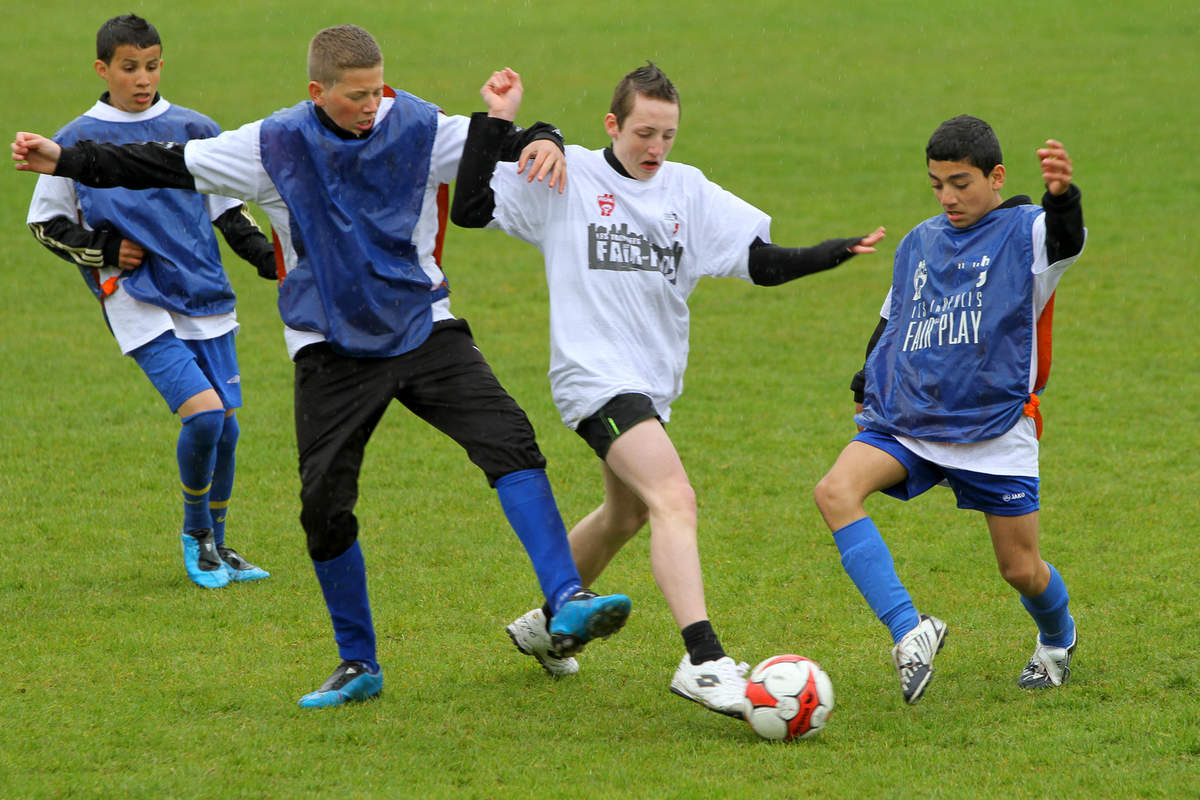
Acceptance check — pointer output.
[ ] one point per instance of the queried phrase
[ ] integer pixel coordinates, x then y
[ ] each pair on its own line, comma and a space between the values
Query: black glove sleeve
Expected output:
1064, 224
771, 265
247, 240
72, 242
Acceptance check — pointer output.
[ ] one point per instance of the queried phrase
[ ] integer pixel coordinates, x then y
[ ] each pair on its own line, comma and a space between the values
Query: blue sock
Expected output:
344, 584
868, 562
196, 452
222, 479
529, 505
1049, 611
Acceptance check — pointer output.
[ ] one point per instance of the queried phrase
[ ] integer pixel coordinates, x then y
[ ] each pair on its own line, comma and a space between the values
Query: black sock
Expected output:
546, 613
701, 642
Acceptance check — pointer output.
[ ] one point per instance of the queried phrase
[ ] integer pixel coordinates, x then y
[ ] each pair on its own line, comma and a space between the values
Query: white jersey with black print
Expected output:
622, 256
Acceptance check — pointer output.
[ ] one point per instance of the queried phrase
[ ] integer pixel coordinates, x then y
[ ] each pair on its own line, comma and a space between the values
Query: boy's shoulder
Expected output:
162, 115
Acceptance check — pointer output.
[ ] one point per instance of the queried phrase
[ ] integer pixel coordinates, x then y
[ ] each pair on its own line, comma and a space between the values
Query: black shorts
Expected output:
615, 417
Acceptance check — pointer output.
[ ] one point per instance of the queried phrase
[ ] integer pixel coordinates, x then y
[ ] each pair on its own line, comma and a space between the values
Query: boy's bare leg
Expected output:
644, 460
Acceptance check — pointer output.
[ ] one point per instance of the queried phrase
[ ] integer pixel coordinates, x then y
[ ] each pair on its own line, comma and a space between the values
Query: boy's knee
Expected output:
829, 493
677, 500
1022, 575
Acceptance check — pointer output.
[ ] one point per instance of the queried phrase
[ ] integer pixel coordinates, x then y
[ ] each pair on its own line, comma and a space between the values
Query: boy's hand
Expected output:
130, 255
35, 153
542, 157
867, 243
502, 93
1056, 167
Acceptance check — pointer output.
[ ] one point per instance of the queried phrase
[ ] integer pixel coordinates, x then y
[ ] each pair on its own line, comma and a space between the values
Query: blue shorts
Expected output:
1002, 495
182, 368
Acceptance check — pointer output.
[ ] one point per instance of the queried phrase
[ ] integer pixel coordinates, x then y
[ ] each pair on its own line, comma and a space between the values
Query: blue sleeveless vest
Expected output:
182, 270
953, 363
353, 205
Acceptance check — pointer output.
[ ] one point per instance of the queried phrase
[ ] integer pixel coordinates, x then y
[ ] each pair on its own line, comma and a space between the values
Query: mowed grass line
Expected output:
124, 680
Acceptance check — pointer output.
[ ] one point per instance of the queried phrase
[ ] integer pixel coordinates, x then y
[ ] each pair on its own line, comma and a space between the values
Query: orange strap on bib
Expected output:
1031, 410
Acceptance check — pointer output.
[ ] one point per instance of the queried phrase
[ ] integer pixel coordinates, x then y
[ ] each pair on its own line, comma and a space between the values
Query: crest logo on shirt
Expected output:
672, 220
607, 203
919, 279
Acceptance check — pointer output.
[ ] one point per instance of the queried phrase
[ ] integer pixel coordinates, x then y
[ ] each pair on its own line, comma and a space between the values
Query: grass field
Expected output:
121, 679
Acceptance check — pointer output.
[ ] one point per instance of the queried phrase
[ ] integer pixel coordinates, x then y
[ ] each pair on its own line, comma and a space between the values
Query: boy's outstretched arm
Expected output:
539, 149
146, 165
492, 137
1064, 211
771, 265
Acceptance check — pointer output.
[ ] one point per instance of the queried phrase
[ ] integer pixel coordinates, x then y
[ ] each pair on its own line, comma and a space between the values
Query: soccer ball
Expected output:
788, 697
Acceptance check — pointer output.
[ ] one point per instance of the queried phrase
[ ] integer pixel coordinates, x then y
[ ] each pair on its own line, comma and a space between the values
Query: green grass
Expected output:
123, 680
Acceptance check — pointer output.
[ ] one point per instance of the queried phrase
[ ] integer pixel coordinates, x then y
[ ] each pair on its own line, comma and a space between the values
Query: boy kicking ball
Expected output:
950, 391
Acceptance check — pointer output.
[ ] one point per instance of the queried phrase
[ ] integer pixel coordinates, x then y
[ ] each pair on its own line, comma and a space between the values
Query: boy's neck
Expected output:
106, 98
615, 163
338, 130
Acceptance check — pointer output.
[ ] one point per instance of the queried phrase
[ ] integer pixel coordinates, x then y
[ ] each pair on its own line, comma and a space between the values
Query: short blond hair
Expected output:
342, 47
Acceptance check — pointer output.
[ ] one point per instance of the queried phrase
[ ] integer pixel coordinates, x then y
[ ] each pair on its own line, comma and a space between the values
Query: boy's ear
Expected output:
101, 69
317, 92
996, 178
610, 125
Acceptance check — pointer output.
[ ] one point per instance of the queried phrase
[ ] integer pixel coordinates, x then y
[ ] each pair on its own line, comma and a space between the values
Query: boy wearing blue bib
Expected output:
152, 260
354, 183
950, 391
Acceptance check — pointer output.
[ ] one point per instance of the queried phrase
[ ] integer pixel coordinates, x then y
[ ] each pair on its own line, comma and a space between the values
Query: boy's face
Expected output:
966, 194
353, 101
132, 76
642, 143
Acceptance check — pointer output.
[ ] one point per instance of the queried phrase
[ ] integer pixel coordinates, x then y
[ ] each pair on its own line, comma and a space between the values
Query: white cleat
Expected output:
913, 656
719, 685
531, 634
1049, 666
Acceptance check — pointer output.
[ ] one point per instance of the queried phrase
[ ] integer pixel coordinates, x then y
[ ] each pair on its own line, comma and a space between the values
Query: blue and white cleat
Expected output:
349, 682
201, 560
238, 568
586, 616
1049, 666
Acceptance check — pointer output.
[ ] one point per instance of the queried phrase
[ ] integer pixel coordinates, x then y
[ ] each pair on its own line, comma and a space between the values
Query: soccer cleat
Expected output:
349, 682
238, 568
204, 566
1049, 666
531, 635
719, 685
913, 656
586, 616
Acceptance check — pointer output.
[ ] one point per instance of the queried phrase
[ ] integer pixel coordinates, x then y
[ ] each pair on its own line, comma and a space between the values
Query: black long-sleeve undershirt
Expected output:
1064, 239
245, 238
144, 165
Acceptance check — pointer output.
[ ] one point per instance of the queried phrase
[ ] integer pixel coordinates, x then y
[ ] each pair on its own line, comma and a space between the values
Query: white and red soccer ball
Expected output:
788, 697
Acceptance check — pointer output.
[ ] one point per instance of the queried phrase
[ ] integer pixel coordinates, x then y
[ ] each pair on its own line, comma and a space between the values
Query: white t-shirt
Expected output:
1014, 452
622, 256
231, 164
